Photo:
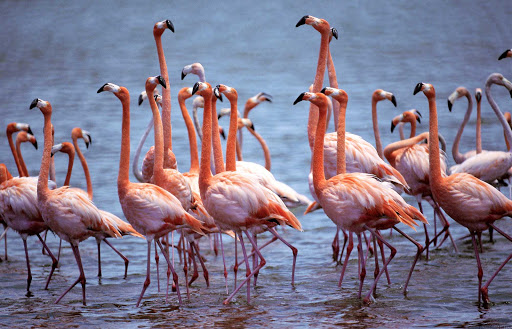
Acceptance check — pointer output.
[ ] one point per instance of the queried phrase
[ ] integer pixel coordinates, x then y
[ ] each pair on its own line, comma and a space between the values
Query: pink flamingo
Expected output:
468, 200
23, 137
235, 200
67, 211
151, 210
356, 201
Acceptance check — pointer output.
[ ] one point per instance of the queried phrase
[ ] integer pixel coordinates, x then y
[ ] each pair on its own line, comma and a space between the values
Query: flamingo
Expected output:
468, 200
505, 54
151, 210
12, 128
236, 200
250, 104
487, 166
68, 212
23, 137
356, 201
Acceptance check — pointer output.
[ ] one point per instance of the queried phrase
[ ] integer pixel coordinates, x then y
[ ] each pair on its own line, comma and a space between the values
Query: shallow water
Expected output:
63, 52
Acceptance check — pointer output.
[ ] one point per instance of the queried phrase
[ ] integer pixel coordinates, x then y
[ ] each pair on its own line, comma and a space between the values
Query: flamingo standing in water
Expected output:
151, 210
68, 212
468, 200
235, 200
356, 201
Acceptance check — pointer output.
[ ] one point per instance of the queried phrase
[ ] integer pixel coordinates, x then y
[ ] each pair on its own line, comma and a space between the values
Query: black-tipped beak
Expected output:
183, 75
392, 126
161, 81
86, 145
35, 144
393, 100
222, 134
90, 139
34, 103
510, 94
450, 105
419, 113
196, 88
169, 25
30, 131
51, 154
301, 96
217, 93
418, 119
334, 33
478, 97
101, 89
141, 99
302, 21
252, 127
417, 89
323, 91
504, 55
218, 117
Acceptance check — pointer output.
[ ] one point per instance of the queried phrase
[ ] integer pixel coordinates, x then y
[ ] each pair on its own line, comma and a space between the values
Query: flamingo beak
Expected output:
196, 88
183, 75
101, 89
302, 21
392, 126
393, 100
35, 144
504, 55
34, 103
478, 97
169, 25
334, 33
300, 98
161, 81
450, 104
417, 89
141, 99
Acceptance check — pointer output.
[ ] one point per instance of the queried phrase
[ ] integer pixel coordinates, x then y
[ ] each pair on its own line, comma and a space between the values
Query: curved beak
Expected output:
141, 99
161, 81
418, 119
392, 126
302, 21
450, 104
222, 134
30, 131
334, 33
34, 103
195, 88
217, 93
101, 89
301, 96
169, 25
393, 100
35, 144
478, 97
504, 55
417, 89
419, 113
183, 75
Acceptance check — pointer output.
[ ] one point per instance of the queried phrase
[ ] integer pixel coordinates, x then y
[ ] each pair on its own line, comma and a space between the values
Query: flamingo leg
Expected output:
203, 266
55, 262
195, 273
157, 261
336, 245
294, 251
376, 271
185, 262
350, 246
29, 274
215, 243
345, 239
45, 234
98, 242
361, 256
418, 254
479, 265
381, 247
260, 248
438, 210
81, 277
491, 234
255, 260
235, 268
148, 272
4, 236
260, 265
425, 228
174, 274
126, 261
485, 288
224, 262
60, 248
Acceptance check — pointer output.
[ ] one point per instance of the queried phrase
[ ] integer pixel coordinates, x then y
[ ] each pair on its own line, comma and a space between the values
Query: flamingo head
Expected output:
379, 95
338, 94
120, 92
221, 133
245, 122
506, 53
184, 93
23, 137
334, 33
321, 25
230, 92
478, 95
152, 82
44, 106
158, 99
499, 79
78, 132
195, 68
458, 93
427, 89
318, 99
64, 147
18, 126
143, 95
260, 98
161, 26
198, 102
203, 89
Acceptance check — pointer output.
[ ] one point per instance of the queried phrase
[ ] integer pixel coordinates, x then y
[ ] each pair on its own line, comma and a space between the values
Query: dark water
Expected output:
63, 52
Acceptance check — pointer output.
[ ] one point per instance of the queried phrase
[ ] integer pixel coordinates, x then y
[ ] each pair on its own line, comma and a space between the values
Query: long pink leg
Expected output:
80, 279
126, 261
224, 262
98, 242
255, 260
425, 228
361, 256
294, 251
443, 219
203, 266
345, 239
148, 272
29, 274
195, 273
4, 236
55, 262
260, 265
157, 261
418, 254
174, 274
185, 263
376, 271
485, 288
381, 247
336, 245
479, 265
350, 246
235, 268
259, 248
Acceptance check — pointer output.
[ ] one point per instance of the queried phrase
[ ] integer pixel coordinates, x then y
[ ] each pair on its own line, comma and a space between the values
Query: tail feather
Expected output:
312, 207
193, 223
387, 170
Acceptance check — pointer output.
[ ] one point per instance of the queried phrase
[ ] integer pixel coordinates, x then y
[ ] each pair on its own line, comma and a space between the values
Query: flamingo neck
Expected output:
239, 156
433, 145
194, 157
503, 121
333, 82
123, 178
71, 160
318, 150
231, 144
13, 150
376, 132
341, 164
389, 151
413, 128
42, 182
135, 166
205, 173
84, 166
158, 167
264, 146
166, 98
20, 157
457, 156
217, 146
317, 86
478, 127
248, 107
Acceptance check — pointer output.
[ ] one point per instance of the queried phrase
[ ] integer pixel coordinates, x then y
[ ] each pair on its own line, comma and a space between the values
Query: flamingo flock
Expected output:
227, 200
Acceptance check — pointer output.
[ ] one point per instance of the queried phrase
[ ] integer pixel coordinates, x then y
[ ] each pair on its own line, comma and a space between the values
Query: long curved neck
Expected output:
239, 156
205, 173
413, 128
231, 144
333, 82
197, 124
158, 167
376, 132
433, 145
42, 182
391, 148
84, 166
217, 146
401, 130
20, 158
166, 98
71, 160
478, 127
317, 85
503, 121
341, 164
194, 157
318, 150
123, 177
264, 146
457, 156
135, 166
14, 154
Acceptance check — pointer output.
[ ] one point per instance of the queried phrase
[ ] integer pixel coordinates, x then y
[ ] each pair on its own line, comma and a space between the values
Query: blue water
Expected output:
64, 51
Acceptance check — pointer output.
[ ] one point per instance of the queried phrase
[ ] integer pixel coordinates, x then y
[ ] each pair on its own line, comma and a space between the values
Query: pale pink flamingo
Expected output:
68, 212
468, 200
505, 54
23, 137
151, 210
250, 104
12, 128
356, 201
235, 200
